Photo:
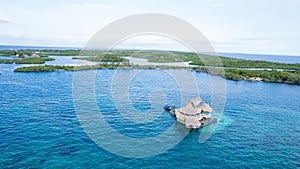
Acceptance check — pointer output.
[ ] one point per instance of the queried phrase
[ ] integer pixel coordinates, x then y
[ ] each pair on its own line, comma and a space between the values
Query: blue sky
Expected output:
237, 26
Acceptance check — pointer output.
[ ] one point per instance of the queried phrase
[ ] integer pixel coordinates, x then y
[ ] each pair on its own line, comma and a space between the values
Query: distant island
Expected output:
26, 60
235, 69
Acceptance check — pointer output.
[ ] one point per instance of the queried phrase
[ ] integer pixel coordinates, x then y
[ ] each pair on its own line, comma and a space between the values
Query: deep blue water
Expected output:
39, 127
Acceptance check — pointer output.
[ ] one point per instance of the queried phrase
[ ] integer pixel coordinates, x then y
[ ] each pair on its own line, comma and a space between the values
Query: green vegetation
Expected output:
29, 52
234, 69
106, 58
46, 68
70, 52
170, 56
15, 52
52, 68
240, 63
233, 74
263, 75
157, 56
290, 77
26, 60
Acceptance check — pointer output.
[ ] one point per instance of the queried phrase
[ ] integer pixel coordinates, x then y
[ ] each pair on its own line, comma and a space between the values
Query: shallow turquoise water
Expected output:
39, 127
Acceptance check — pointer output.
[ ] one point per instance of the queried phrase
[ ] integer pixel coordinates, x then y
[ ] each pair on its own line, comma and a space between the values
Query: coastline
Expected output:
228, 73
229, 68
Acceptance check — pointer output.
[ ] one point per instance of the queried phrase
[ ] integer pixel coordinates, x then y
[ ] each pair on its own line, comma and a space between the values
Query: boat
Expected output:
194, 115
170, 109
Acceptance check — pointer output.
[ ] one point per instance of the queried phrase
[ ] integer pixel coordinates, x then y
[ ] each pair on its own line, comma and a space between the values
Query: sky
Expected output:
234, 26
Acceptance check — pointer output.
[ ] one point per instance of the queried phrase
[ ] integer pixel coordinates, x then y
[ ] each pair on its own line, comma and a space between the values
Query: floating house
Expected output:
194, 114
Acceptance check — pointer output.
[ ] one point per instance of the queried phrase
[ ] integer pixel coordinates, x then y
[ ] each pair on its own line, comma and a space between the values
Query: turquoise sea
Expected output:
39, 127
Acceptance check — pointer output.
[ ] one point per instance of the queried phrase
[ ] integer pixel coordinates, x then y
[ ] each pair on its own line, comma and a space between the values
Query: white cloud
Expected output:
261, 42
87, 5
25, 39
4, 19
151, 42
216, 5
231, 27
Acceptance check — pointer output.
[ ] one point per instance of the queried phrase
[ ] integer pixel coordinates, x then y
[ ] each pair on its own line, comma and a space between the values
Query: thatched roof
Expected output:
206, 108
195, 106
196, 101
189, 109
